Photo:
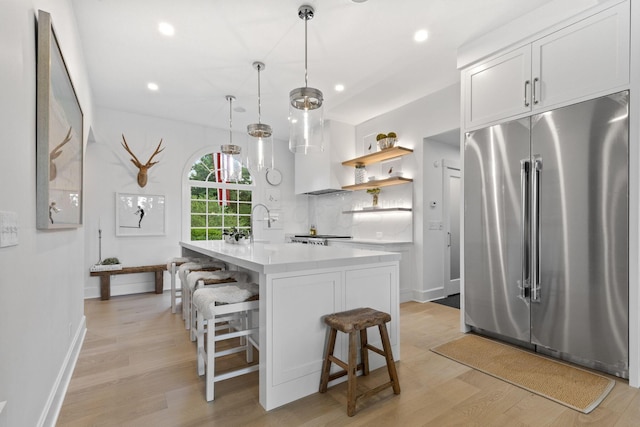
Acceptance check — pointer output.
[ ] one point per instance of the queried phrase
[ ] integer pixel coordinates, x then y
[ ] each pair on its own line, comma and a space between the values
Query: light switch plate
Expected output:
8, 229
435, 225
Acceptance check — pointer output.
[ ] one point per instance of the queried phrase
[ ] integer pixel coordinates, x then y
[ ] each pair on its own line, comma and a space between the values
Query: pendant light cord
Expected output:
259, 101
230, 121
306, 19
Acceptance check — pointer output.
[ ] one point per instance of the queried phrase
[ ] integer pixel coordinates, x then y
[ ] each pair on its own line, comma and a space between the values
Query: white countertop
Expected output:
269, 258
372, 241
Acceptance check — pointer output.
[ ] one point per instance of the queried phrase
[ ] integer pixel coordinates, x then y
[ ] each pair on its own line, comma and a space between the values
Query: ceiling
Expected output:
366, 46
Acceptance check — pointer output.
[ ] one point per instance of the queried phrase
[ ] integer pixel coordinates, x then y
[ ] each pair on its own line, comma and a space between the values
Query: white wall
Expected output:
432, 115
109, 171
41, 309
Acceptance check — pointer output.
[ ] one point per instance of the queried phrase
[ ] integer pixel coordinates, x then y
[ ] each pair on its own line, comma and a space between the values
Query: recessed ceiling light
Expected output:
358, 1
166, 29
339, 88
152, 86
421, 35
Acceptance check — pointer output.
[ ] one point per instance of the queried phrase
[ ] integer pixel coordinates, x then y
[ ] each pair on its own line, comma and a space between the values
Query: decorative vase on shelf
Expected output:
360, 174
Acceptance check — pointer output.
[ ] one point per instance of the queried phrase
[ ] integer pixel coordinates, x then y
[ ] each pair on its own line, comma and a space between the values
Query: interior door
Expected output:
451, 223
494, 229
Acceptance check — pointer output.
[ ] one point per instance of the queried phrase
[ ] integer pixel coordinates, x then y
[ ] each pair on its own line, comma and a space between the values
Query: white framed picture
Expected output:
140, 215
272, 198
391, 168
369, 144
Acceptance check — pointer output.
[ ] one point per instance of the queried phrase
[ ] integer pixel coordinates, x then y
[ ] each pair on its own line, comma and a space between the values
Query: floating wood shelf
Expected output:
379, 156
396, 180
378, 210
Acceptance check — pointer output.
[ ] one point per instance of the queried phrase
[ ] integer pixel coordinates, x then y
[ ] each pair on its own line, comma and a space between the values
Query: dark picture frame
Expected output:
59, 136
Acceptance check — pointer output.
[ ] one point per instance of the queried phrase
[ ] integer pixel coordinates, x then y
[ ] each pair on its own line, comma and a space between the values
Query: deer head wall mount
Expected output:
142, 168
54, 154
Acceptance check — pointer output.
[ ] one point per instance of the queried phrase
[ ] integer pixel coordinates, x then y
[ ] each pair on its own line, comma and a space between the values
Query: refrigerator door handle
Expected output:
525, 165
535, 230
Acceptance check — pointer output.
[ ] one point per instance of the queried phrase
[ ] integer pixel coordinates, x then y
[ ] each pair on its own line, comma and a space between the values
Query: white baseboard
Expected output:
405, 295
51, 410
428, 295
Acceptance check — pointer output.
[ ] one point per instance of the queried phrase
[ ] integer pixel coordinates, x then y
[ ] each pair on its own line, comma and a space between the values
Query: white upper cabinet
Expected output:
498, 88
586, 59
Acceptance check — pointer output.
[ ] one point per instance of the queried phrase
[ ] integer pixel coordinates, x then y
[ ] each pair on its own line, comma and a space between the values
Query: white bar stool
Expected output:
172, 268
218, 304
202, 264
198, 279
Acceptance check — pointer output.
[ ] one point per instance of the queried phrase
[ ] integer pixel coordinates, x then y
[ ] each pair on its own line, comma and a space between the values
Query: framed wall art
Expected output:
59, 136
140, 215
369, 144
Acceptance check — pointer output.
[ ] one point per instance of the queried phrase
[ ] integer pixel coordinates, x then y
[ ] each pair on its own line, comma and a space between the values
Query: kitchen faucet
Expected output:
268, 218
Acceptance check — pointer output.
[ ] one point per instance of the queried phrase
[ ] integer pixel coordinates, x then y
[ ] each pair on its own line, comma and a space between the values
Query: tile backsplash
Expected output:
326, 213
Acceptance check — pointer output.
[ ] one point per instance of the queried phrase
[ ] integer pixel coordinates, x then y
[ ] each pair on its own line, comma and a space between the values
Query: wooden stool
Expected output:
351, 322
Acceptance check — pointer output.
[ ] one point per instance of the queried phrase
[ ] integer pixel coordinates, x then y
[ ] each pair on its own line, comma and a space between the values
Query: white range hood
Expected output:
322, 172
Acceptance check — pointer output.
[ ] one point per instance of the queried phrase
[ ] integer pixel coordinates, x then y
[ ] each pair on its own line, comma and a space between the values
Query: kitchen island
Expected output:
299, 284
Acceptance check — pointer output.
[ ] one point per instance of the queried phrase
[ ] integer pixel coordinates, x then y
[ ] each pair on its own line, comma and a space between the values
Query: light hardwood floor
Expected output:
137, 368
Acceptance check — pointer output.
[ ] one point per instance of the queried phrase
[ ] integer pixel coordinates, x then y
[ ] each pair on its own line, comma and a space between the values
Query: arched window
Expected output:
217, 204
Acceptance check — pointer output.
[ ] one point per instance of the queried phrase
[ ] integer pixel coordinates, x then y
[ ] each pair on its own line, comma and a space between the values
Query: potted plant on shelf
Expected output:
374, 192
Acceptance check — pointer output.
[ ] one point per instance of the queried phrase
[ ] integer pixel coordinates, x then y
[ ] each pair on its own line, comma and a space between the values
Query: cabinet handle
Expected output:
526, 99
535, 99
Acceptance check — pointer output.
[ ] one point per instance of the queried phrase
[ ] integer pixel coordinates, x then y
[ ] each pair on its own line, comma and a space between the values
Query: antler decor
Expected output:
143, 168
55, 153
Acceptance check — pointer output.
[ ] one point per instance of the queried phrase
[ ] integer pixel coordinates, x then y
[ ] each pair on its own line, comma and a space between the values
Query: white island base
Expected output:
299, 284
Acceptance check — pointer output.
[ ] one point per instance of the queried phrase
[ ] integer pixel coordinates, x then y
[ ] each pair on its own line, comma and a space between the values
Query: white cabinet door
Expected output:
587, 58
498, 88
298, 332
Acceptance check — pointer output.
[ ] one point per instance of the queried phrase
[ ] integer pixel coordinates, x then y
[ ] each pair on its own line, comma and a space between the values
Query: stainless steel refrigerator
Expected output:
546, 232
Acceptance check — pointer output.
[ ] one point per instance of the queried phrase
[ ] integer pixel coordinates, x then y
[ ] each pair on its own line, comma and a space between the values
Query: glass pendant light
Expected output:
231, 165
260, 145
305, 106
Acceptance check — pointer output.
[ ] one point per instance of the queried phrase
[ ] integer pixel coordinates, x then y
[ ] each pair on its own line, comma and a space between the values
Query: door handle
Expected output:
535, 98
448, 239
524, 212
535, 231
526, 98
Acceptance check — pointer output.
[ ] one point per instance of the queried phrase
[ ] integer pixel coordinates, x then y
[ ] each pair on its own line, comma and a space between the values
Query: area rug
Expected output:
573, 387
450, 301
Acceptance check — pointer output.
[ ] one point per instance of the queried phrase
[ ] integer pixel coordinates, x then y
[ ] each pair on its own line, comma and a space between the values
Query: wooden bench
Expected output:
105, 277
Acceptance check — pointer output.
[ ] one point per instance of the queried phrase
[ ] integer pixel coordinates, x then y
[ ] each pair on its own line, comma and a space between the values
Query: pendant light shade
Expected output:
260, 144
306, 115
230, 162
